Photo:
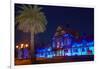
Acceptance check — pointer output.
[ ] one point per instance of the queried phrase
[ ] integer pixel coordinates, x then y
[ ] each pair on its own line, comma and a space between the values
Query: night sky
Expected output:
80, 19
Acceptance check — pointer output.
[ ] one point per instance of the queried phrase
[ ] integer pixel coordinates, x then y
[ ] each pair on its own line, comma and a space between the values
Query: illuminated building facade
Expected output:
66, 44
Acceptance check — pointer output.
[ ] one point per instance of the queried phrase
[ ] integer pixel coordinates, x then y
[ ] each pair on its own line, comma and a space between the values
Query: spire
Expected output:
59, 28
59, 31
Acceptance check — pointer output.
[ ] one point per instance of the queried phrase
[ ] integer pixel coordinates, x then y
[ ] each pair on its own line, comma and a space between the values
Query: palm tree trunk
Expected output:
32, 48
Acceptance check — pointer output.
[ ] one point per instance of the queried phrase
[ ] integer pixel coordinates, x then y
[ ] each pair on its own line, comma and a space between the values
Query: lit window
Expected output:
62, 44
68, 52
84, 51
58, 44
68, 41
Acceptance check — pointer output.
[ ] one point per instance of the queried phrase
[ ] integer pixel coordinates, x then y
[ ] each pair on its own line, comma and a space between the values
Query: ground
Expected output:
55, 60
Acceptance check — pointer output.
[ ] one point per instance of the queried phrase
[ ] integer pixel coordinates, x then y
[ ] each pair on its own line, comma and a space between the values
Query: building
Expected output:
67, 43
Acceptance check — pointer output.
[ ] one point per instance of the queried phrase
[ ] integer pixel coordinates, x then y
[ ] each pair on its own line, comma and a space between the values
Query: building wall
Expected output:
66, 46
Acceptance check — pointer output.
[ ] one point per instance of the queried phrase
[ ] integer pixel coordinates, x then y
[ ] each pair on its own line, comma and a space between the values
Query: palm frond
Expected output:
31, 19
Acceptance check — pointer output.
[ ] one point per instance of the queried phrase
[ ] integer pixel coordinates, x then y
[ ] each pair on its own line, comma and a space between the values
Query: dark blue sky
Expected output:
80, 19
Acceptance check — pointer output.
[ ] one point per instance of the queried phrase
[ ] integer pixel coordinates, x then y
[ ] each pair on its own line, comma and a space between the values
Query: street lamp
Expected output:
26, 45
17, 46
22, 45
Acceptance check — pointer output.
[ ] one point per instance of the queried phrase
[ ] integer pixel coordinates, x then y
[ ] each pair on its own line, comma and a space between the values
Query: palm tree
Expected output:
32, 20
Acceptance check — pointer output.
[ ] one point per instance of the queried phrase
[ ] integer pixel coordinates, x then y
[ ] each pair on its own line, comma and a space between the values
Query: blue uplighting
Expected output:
66, 46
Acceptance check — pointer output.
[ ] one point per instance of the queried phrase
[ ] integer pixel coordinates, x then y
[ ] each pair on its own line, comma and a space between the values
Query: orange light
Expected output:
26, 45
17, 46
22, 45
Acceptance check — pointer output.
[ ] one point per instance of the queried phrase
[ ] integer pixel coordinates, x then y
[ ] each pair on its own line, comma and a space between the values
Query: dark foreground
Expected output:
54, 60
